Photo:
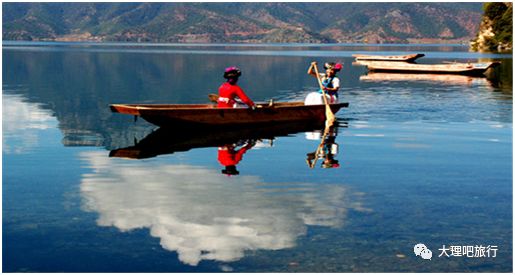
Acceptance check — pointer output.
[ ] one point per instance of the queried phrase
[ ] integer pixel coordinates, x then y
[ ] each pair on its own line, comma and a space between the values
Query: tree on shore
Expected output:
496, 29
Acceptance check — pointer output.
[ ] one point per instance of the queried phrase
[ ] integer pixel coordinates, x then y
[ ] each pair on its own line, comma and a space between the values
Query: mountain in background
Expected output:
242, 22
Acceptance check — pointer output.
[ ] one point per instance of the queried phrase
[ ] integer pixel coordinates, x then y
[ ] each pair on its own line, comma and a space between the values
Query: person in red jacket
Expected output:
229, 91
229, 156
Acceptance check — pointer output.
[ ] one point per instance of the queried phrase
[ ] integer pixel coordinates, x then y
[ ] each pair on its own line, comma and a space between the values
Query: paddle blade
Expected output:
330, 118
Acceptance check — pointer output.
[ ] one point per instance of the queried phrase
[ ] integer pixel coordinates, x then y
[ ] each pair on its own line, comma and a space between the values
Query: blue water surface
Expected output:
420, 159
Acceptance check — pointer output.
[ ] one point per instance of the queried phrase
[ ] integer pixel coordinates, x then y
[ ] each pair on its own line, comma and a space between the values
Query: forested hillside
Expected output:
242, 22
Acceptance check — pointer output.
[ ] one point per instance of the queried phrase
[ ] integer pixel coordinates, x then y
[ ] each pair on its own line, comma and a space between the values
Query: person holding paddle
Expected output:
229, 91
330, 84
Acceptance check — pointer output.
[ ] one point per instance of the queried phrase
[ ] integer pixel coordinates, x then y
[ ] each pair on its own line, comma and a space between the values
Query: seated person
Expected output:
229, 91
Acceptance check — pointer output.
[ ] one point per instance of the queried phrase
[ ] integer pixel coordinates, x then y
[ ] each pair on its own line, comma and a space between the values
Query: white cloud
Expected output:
203, 214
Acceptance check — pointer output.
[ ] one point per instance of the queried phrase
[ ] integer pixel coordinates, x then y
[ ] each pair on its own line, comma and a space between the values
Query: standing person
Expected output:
330, 82
229, 91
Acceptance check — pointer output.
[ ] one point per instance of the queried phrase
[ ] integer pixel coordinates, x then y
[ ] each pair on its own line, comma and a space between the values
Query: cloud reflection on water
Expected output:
21, 122
204, 215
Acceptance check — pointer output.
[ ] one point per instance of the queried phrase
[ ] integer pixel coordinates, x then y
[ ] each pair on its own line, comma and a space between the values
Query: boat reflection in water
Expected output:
201, 213
441, 78
232, 143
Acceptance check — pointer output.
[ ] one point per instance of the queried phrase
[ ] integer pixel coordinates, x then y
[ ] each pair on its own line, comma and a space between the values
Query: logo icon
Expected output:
422, 251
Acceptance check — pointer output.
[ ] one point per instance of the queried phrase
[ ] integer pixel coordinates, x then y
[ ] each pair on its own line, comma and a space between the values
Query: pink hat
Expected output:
232, 72
333, 66
232, 68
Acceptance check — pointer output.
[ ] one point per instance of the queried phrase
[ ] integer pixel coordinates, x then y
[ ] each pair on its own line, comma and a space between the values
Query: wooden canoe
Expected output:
477, 69
402, 58
195, 115
453, 79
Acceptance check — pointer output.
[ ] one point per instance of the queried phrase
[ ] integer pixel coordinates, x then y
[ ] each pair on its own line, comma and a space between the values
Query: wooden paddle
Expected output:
320, 146
213, 97
329, 116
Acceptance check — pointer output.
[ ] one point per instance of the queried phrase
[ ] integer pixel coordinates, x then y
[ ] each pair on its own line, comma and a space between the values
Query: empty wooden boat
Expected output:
402, 58
453, 79
477, 69
195, 115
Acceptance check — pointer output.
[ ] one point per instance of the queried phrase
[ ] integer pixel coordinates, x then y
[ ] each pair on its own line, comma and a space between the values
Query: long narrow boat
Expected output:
206, 115
453, 79
477, 69
402, 58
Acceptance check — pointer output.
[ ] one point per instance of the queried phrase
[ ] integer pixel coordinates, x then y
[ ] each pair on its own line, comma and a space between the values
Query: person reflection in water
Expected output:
330, 151
327, 151
229, 155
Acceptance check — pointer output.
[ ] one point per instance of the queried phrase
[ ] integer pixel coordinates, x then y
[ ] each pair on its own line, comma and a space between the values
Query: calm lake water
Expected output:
420, 159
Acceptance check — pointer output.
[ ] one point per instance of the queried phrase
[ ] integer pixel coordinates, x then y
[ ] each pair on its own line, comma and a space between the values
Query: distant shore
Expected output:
96, 39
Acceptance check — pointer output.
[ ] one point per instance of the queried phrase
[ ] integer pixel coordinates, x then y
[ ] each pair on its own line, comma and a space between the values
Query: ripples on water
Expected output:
439, 104
329, 50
